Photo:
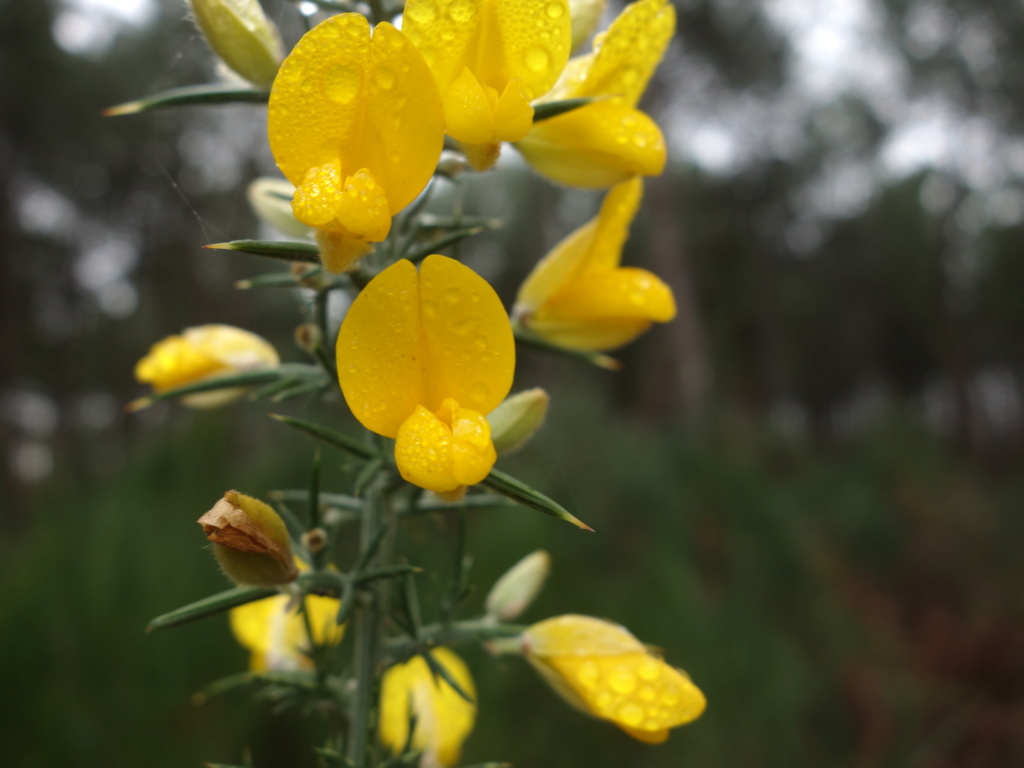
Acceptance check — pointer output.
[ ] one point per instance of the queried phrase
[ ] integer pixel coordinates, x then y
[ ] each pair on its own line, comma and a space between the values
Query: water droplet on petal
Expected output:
554, 11
536, 59
385, 77
622, 680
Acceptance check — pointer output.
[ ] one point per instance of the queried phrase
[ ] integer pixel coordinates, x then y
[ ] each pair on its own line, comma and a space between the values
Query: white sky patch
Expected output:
89, 27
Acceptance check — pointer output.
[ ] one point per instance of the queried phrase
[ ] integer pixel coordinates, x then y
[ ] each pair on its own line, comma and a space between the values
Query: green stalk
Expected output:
368, 639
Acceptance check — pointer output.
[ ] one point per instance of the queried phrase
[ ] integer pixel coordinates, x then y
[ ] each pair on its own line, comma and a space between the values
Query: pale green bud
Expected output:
271, 200
517, 419
242, 36
584, 15
513, 592
250, 541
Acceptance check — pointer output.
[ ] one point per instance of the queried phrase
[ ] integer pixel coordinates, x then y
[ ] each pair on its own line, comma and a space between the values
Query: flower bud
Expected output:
517, 419
250, 541
513, 592
584, 15
309, 337
271, 199
242, 36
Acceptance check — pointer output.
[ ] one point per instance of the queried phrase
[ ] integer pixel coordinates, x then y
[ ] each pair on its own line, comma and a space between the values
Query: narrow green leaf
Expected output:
209, 606
335, 438
333, 757
272, 249
386, 572
442, 242
214, 93
247, 379
551, 109
272, 388
469, 501
348, 602
296, 679
369, 471
527, 496
269, 280
440, 670
339, 500
431, 221
531, 339
371, 549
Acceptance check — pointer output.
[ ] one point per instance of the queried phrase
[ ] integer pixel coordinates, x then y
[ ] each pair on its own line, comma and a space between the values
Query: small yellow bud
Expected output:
584, 15
517, 419
250, 541
242, 36
271, 200
515, 591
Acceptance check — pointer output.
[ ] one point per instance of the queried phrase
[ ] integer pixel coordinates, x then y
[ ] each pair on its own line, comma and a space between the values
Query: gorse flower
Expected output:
275, 631
355, 123
579, 297
491, 58
608, 141
201, 353
443, 718
423, 357
602, 670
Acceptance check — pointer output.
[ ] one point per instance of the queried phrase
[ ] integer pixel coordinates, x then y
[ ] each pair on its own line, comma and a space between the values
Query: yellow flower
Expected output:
277, 636
423, 357
608, 141
355, 123
201, 353
491, 58
602, 670
580, 298
443, 718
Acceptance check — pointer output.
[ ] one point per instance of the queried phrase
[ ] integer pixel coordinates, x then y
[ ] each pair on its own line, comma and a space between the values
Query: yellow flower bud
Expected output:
250, 541
201, 353
602, 670
242, 36
275, 633
579, 297
513, 592
517, 419
443, 718
584, 15
271, 199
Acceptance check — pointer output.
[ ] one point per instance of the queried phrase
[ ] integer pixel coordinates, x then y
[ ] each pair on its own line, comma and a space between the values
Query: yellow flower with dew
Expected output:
204, 352
274, 630
491, 58
579, 297
355, 123
609, 140
423, 357
443, 718
602, 670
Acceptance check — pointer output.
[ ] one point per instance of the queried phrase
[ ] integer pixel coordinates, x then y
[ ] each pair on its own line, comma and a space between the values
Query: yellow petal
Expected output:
340, 249
497, 39
423, 452
318, 195
628, 53
636, 691
380, 367
594, 247
619, 293
598, 335
277, 637
573, 634
469, 114
250, 623
363, 206
443, 718
585, 15
648, 737
342, 97
468, 349
595, 146
513, 114
473, 453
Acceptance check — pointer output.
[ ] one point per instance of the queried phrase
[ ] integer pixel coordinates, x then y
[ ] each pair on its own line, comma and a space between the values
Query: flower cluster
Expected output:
358, 116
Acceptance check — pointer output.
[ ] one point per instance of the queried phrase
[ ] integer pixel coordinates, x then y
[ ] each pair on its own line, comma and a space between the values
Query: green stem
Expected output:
367, 632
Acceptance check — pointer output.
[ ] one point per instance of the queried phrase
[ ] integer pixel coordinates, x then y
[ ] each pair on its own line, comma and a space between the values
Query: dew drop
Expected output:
421, 13
647, 693
343, 83
649, 670
385, 78
554, 11
630, 714
671, 695
536, 59
588, 675
465, 326
622, 680
452, 296
460, 11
